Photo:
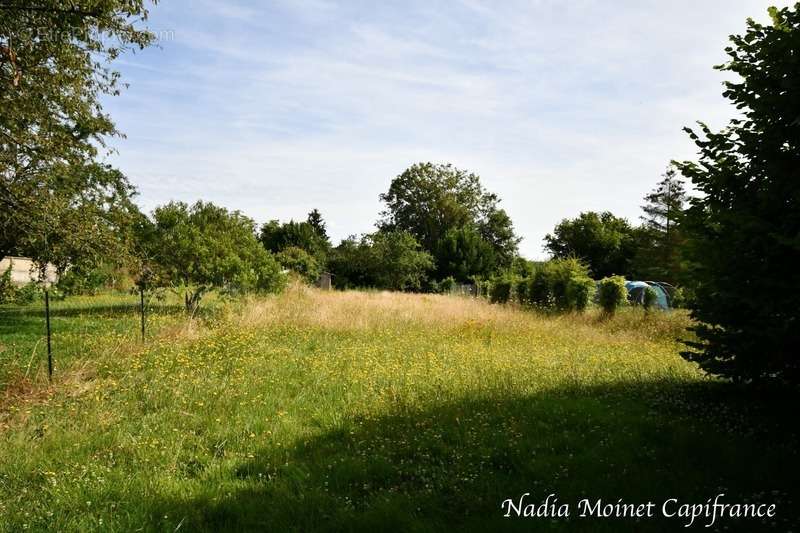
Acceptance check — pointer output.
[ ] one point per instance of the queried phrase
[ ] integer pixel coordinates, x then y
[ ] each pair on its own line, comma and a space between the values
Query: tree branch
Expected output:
52, 10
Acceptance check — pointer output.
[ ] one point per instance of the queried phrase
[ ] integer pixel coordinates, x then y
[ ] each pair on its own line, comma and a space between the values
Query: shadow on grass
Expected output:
14, 318
449, 466
90, 310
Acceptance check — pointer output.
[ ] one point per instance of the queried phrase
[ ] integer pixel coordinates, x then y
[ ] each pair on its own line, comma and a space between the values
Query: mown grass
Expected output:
374, 412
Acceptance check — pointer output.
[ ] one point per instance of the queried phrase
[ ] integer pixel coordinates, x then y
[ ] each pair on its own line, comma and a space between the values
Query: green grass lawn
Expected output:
370, 412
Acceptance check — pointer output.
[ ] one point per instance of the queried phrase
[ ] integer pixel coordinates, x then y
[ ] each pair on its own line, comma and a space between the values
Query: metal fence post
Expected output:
49, 349
141, 300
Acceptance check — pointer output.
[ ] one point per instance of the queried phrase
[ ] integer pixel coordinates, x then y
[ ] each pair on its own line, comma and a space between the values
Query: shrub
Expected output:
679, 298
301, 262
580, 291
563, 284
27, 294
83, 279
612, 294
9, 293
649, 299
521, 289
267, 276
432, 286
7, 289
447, 285
538, 292
483, 287
392, 260
501, 290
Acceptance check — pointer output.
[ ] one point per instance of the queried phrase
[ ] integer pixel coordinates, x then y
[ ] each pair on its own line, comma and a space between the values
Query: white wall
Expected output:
23, 270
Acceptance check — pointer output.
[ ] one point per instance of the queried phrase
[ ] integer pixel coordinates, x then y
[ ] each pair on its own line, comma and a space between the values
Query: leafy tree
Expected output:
277, 237
498, 230
350, 264
660, 238
743, 229
299, 261
605, 242
385, 260
433, 202
55, 62
83, 218
399, 262
464, 254
200, 248
502, 289
521, 267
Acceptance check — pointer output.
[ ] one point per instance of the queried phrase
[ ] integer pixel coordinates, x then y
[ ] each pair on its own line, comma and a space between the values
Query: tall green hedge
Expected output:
502, 290
560, 284
612, 294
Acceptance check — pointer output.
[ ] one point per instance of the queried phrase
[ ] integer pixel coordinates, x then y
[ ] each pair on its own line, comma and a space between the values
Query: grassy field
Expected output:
370, 412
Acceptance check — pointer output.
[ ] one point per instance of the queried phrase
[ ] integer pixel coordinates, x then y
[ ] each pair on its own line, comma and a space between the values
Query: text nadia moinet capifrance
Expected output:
707, 513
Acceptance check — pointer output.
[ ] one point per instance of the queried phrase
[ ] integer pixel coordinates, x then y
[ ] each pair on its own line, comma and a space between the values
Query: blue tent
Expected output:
636, 292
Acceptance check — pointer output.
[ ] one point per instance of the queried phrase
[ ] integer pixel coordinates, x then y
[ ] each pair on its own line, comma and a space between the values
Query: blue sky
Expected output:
275, 108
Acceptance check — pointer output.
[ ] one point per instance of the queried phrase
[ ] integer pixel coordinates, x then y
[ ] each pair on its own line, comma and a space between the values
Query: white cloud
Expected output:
560, 107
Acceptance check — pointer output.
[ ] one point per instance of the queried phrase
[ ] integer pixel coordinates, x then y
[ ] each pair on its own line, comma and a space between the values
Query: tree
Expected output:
350, 263
463, 254
277, 237
398, 261
521, 267
605, 242
658, 256
81, 217
196, 249
299, 261
743, 229
429, 200
318, 224
665, 204
385, 259
54, 68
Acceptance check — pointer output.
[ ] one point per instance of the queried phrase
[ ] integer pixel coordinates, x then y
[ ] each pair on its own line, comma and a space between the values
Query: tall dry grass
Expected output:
303, 306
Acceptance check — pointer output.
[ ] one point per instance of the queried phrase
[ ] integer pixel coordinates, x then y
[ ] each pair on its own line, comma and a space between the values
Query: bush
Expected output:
432, 286
563, 284
447, 285
301, 262
649, 299
580, 291
483, 287
612, 294
27, 294
9, 293
679, 298
7, 289
501, 290
538, 291
521, 290
391, 260
268, 276
90, 280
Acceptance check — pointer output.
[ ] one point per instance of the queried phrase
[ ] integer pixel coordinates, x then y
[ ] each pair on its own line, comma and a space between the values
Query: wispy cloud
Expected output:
561, 107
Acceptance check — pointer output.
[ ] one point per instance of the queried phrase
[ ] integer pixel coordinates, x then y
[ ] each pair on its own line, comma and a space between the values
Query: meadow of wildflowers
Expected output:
367, 411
